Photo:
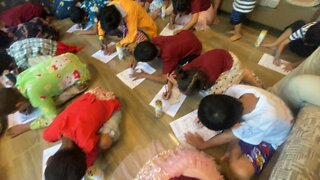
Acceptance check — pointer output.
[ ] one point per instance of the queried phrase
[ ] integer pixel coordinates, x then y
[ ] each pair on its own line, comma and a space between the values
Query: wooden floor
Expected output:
21, 157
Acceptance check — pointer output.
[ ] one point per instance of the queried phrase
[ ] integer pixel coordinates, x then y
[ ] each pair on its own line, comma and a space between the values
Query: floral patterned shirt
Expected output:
48, 79
92, 8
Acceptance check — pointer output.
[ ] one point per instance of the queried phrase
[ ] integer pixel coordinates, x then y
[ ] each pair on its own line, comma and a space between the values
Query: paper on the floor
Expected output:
267, 61
75, 27
102, 57
19, 118
171, 106
46, 154
187, 124
168, 32
124, 76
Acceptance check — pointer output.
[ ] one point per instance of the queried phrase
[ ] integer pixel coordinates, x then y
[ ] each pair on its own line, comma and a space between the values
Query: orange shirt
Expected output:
135, 18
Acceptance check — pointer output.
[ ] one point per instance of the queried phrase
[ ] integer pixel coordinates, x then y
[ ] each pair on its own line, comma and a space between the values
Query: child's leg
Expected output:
250, 78
281, 38
237, 33
110, 131
70, 93
239, 163
236, 19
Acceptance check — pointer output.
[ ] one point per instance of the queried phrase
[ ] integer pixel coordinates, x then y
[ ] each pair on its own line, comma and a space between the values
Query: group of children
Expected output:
254, 122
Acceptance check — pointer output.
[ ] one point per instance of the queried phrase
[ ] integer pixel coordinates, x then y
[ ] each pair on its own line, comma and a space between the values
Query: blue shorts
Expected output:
237, 17
259, 154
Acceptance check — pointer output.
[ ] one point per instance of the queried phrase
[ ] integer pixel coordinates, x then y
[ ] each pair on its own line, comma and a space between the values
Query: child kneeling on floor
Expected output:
88, 124
255, 123
210, 73
128, 19
45, 86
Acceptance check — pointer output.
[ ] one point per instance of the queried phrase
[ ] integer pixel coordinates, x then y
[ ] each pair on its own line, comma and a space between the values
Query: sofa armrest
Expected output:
300, 156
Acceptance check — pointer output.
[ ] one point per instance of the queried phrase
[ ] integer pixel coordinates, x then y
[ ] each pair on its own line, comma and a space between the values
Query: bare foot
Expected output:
268, 45
232, 32
224, 157
235, 37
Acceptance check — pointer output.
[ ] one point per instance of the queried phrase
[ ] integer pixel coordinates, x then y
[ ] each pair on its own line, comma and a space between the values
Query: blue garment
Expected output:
60, 8
92, 8
237, 17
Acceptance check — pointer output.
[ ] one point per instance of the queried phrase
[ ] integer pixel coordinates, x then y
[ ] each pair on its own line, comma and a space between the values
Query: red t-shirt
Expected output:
199, 5
174, 48
21, 13
212, 64
81, 122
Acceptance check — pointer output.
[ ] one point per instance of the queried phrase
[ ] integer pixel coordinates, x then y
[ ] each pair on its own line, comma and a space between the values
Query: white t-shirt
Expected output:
270, 121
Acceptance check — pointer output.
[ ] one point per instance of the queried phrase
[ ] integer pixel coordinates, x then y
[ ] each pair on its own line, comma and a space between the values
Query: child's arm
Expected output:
93, 31
132, 25
279, 51
48, 110
159, 78
191, 23
222, 138
166, 95
216, 5
146, 6
172, 20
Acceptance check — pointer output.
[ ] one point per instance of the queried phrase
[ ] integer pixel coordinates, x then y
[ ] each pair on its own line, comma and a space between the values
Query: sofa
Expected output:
277, 18
299, 157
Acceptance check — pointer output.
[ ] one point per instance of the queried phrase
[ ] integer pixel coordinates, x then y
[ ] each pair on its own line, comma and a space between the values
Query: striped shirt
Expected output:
244, 6
22, 50
300, 33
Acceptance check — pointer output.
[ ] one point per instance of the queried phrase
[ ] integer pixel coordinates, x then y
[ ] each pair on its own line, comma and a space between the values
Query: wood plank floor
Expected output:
21, 157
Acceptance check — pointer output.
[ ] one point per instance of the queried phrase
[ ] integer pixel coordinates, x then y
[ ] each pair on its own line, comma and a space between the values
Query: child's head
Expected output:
110, 18
312, 36
11, 100
190, 81
6, 62
77, 15
145, 51
67, 164
5, 40
181, 6
219, 112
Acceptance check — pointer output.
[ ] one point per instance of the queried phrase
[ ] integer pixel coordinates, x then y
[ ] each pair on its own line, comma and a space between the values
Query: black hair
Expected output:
9, 97
312, 36
180, 6
190, 81
5, 40
66, 164
110, 18
6, 61
145, 51
219, 112
77, 15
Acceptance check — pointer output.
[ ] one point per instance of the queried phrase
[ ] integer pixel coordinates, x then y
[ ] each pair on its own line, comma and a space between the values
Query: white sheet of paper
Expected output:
124, 76
168, 32
75, 27
102, 57
46, 154
19, 118
267, 61
170, 107
187, 124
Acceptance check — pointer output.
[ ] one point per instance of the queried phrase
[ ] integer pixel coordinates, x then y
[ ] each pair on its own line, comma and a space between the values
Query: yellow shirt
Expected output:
135, 18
